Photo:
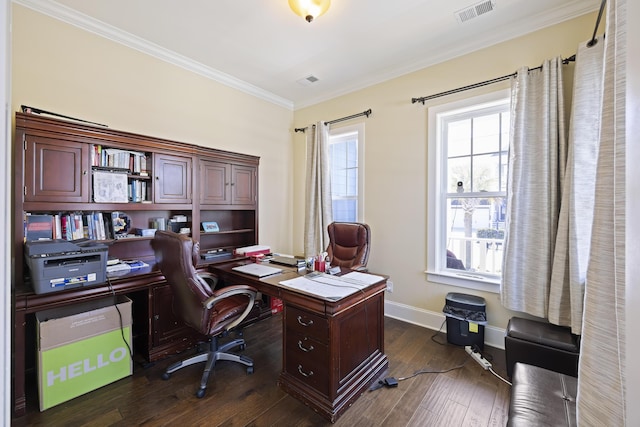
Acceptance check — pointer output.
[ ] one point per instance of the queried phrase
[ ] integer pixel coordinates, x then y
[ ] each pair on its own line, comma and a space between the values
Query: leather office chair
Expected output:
349, 244
210, 312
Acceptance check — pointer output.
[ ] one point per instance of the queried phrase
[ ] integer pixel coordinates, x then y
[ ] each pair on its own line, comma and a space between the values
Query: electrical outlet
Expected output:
486, 365
389, 286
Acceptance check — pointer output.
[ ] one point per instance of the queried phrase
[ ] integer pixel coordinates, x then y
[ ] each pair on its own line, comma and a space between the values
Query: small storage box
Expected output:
541, 344
81, 347
466, 317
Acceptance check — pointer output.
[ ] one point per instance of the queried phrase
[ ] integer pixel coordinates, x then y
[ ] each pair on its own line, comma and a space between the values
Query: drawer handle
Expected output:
303, 373
305, 324
303, 348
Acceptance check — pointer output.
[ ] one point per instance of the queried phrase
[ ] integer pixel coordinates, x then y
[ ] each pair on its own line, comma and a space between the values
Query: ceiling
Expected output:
263, 48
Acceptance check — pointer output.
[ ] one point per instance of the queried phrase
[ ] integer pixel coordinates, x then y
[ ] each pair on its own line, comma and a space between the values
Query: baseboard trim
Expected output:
493, 336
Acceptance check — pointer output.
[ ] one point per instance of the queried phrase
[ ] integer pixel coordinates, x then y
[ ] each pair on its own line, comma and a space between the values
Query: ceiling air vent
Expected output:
475, 10
306, 81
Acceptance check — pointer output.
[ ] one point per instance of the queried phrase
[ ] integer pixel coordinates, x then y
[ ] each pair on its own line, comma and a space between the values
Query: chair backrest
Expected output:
349, 244
177, 255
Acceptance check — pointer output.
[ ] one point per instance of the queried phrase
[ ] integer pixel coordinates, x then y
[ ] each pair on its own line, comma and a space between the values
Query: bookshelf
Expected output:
115, 186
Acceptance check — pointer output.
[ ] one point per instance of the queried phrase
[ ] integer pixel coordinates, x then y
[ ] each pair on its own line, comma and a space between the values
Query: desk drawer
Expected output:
305, 348
308, 324
308, 361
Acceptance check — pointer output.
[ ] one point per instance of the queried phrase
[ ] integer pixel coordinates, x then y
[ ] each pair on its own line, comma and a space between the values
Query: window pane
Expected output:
486, 134
506, 125
504, 168
475, 234
352, 182
486, 172
459, 170
345, 178
344, 210
338, 182
351, 148
459, 138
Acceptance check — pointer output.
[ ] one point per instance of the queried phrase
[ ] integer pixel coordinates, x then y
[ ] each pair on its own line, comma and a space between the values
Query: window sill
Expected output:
465, 280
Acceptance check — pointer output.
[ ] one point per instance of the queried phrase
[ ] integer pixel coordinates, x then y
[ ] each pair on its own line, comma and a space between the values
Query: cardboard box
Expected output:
81, 348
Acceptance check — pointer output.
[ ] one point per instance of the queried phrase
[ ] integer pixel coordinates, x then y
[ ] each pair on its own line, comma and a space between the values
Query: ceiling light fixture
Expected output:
309, 9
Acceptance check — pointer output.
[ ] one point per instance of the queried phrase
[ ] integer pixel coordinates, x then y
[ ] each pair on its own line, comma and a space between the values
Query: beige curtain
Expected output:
318, 190
601, 378
537, 158
571, 253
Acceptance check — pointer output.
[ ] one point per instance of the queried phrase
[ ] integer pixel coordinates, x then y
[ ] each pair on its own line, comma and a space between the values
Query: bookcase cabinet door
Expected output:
166, 326
56, 170
215, 183
227, 184
172, 182
243, 185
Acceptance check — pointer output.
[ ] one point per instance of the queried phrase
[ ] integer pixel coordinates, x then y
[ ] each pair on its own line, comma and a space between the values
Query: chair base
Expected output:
211, 356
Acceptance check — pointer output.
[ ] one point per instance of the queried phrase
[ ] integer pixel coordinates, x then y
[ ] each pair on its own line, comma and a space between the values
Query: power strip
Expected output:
486, 365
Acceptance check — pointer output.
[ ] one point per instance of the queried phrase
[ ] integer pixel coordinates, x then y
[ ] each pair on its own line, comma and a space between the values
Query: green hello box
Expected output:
82, 347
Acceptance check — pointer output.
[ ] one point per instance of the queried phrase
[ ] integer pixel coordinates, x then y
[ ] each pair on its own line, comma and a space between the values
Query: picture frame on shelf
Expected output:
121, 223
210, 226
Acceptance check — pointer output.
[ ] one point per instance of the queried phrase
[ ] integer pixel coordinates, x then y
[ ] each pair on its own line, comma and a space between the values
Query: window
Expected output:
346, 152
468, 159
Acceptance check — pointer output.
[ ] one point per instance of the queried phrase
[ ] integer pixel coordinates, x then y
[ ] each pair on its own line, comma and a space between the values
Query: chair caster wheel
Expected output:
166, 376
249, 370
200, 393
242, 347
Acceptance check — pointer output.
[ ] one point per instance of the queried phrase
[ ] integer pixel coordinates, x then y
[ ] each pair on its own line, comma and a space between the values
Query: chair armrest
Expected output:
229, 291
359, 267
210, 279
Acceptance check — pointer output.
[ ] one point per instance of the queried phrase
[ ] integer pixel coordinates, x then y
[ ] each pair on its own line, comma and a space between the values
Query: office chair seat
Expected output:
211, 312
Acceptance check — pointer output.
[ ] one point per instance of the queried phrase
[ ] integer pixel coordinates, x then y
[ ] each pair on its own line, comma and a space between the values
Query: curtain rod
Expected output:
595, 30
423, 99
353, 116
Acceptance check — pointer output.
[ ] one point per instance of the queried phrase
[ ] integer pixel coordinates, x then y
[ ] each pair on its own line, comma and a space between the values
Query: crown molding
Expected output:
84, 22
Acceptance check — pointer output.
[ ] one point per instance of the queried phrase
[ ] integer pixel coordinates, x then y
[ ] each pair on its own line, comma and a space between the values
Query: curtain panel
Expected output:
537, 159
601, 373
318, 207
573, 240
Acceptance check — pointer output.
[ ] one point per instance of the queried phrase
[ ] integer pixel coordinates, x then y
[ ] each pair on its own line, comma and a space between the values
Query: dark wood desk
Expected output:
347, 336
332, 351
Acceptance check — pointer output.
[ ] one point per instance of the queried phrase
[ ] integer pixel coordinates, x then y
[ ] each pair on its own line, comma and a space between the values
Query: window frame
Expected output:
343, 132
437, 191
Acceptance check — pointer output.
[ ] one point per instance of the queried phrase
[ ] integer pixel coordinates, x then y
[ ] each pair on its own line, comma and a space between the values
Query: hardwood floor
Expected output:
469, 396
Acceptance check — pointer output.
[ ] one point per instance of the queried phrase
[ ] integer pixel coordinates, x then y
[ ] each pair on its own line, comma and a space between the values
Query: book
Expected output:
38, 227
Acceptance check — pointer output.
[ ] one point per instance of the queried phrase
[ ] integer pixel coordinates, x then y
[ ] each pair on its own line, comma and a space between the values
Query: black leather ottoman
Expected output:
541, 344
540, 397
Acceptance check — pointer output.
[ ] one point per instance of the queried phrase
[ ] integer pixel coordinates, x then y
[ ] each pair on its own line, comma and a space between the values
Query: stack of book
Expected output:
68, 226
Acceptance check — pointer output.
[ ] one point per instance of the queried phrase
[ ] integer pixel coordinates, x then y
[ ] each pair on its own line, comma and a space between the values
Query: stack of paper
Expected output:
332, 287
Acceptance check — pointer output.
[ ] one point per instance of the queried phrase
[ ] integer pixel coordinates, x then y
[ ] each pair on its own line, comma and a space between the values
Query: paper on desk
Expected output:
365, 278
331, 287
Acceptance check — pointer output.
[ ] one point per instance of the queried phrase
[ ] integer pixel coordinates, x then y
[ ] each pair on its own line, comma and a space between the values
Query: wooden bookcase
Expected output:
54, 166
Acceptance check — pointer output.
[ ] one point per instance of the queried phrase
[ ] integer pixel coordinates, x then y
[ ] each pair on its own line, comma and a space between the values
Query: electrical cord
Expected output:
433, 337
489, 358
393, 382
115, 304
494, 373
